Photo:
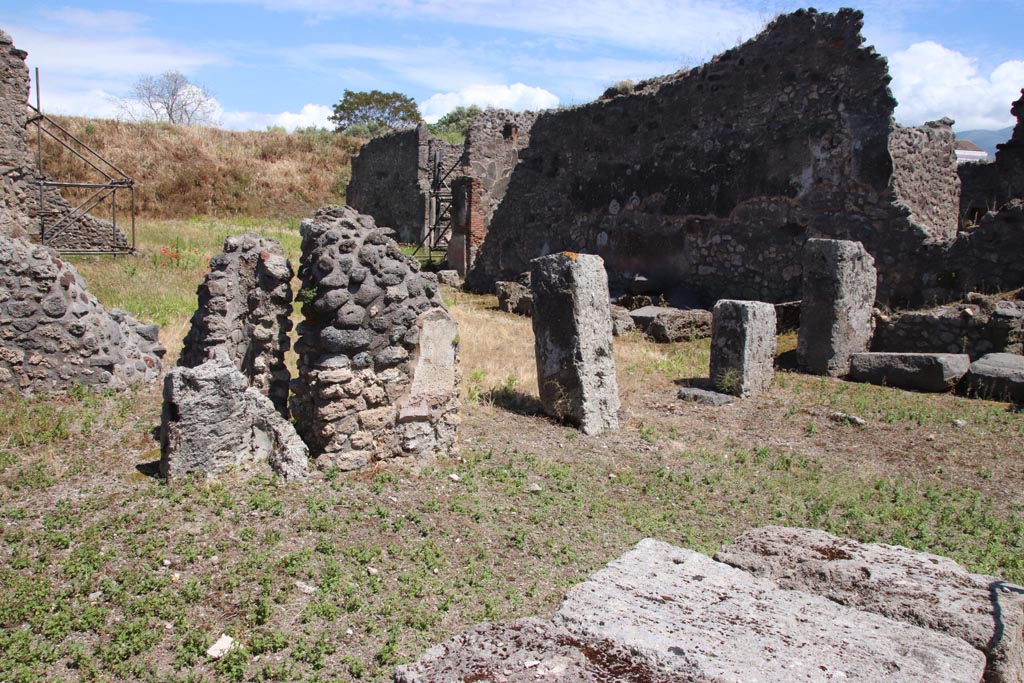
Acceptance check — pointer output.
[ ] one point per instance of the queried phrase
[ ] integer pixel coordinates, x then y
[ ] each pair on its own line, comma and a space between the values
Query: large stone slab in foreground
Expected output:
918, 588
839, 282
934, 372
704, 620
662, 613
572, 330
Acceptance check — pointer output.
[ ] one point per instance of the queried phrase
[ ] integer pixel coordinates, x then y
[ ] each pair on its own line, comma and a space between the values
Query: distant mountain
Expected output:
986, 139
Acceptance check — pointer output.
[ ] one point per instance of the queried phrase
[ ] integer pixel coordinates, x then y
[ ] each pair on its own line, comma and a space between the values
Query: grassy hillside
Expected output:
182, 171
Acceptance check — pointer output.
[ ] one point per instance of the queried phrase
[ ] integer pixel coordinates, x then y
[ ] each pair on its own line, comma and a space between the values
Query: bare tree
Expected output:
170, 97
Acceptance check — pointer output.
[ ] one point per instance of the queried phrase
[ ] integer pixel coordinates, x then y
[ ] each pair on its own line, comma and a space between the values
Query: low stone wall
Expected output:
973, 329
54, 334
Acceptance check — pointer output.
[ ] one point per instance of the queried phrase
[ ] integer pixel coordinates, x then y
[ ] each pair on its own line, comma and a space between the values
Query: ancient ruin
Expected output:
835, 312
213, 420
378, 352
706, 183
573, 341
913, 371
393, 179
54, 334
777, 604
743, 347
245, 302
19, 176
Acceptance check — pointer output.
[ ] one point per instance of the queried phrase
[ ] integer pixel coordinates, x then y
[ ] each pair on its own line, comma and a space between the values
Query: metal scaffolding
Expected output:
56, 221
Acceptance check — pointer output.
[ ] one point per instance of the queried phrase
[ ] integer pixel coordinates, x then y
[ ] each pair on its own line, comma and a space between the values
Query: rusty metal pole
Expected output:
39, 161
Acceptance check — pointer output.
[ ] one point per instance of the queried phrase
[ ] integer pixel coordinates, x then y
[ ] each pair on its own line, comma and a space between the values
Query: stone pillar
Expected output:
378, 351
572, 328
742, 347
839, 281
245, 304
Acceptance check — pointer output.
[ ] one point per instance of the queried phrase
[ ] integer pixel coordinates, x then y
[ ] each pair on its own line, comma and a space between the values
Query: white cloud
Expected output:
517, 97
110, 21
309, 115
931, 81
703, 27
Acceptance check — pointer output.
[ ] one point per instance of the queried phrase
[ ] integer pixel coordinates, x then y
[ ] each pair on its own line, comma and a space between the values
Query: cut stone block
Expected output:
997, 376
213, 421
622, 323
645, 315
705, 397
839, 281
743, 347
676, 325
914, 371
706, 621
514, 298
573, 341
918, 588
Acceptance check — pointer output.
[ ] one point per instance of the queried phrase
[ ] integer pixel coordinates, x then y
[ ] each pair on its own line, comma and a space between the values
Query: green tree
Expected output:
454, 125
373, 113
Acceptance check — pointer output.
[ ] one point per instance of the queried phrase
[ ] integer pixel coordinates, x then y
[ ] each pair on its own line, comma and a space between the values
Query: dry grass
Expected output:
186, 171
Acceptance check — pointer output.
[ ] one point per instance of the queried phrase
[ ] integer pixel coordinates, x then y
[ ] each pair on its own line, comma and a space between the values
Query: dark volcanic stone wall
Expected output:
19, 177
244, 306
391, 178
986, 187
378, 374
54, 334
712, 180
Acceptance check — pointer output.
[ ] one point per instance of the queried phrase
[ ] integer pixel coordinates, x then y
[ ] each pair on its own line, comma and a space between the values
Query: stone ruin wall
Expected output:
391, 179
493, 144
711, 180
55, 335
924, 176
19, 177
244, 304
987, 187
378, 375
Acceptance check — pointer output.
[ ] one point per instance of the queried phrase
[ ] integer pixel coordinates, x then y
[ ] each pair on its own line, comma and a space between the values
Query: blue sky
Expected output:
284, 62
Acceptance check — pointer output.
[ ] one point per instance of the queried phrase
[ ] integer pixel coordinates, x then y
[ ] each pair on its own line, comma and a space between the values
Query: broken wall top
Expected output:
713, 178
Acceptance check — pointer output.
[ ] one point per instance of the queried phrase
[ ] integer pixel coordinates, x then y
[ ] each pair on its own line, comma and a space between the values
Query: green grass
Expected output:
110, 575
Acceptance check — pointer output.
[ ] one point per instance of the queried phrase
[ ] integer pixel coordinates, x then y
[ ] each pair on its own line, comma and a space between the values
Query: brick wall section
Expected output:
710, 181
469, 223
